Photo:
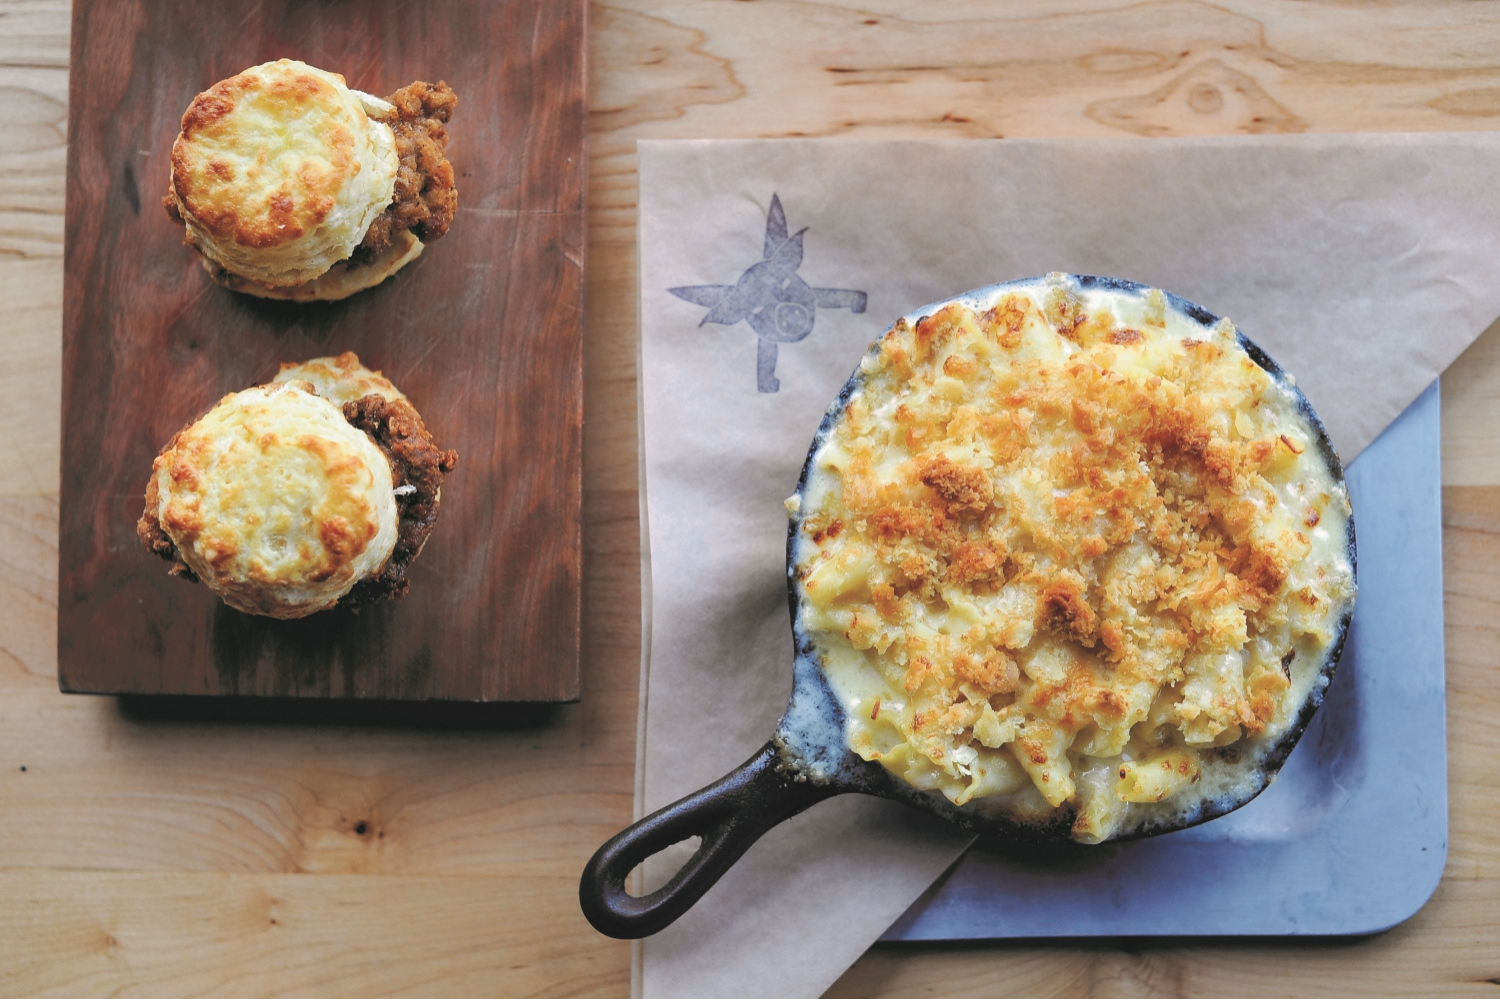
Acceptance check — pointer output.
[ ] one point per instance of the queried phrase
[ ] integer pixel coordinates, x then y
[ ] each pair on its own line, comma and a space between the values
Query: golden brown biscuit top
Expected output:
342, 379
281, 157
264, 154
276, 502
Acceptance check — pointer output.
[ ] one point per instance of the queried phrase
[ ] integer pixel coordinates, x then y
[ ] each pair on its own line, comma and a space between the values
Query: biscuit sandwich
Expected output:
315, 490
293, 186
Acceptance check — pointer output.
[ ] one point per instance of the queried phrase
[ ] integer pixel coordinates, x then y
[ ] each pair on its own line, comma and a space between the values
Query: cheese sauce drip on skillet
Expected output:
1072, 554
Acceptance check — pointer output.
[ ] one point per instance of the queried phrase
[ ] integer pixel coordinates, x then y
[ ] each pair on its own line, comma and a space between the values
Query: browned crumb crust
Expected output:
217, 271
415, 461
426, 195
398, 431
148, 529
174, 212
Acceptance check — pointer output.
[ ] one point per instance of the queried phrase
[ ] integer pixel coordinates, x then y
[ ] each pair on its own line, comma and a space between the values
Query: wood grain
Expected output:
1471, 414
289, 935
484, 332
136, 875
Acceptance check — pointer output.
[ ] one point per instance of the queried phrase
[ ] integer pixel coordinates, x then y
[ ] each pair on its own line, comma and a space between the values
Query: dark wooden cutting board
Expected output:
483, 332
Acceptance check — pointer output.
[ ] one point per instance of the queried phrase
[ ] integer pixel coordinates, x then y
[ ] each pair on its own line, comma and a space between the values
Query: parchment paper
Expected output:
1364, 264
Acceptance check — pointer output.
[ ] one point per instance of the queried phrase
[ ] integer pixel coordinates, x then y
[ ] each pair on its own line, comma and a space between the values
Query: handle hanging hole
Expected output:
657, 870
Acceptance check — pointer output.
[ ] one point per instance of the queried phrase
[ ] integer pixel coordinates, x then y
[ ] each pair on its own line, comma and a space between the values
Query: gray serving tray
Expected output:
1352, 837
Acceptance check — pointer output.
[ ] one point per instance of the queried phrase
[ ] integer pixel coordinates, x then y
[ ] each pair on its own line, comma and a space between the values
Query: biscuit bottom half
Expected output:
338, 282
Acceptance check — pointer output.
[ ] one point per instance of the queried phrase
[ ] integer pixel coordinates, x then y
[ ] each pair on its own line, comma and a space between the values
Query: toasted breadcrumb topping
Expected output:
1067, 543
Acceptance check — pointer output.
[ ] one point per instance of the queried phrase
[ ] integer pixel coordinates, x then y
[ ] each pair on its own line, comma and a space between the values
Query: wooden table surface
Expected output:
147, 849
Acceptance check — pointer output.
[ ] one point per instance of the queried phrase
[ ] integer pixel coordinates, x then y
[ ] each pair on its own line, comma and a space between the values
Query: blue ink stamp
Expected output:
779, 306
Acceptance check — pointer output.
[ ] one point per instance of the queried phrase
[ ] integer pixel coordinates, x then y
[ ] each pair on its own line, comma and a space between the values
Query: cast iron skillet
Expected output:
807, 759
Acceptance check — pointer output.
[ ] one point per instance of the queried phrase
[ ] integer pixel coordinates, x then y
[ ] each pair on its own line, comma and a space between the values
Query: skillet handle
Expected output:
730, 815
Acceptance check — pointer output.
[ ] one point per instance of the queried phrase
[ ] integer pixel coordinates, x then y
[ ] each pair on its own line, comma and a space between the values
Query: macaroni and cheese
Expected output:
1070, 555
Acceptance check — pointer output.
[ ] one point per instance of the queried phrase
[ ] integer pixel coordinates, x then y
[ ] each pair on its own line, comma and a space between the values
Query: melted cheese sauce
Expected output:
1065, 552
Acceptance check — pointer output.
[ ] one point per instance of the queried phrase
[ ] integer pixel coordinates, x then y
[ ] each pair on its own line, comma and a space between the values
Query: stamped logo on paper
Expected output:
777, 303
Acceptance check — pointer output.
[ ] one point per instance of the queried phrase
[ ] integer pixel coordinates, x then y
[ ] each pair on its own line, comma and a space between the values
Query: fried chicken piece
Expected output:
426, 192
416, 462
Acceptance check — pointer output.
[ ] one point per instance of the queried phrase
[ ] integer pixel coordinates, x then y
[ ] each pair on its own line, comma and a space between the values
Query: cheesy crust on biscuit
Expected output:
279, 170
275, 501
